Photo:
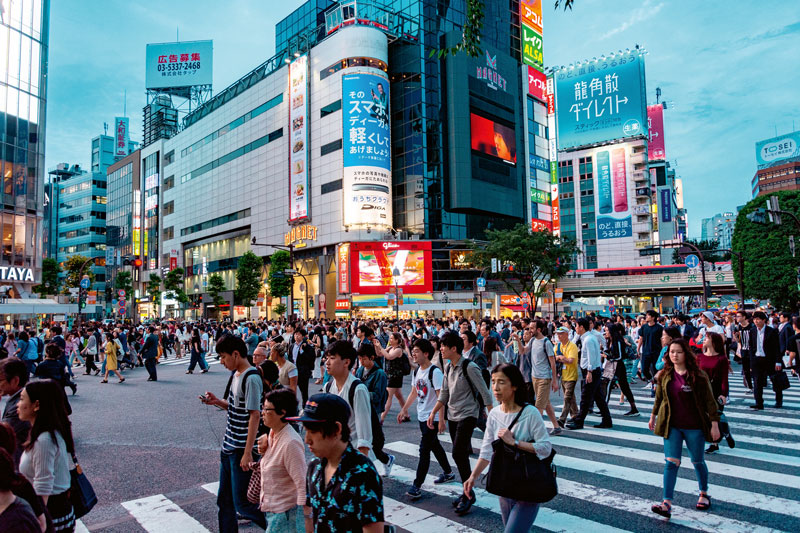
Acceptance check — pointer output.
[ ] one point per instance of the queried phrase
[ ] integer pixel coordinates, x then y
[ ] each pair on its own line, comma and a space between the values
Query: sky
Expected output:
728, 71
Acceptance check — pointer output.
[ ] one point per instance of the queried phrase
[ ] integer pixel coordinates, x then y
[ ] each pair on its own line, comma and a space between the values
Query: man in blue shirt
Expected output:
591, 365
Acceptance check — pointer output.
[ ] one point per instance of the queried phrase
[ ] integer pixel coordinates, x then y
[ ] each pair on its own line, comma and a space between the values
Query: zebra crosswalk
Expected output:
608, 479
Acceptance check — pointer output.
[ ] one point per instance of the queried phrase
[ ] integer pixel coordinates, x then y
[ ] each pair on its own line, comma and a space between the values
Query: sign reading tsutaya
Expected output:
366, 158
15, 274
489, 73
120, 136
183, 64
298, 139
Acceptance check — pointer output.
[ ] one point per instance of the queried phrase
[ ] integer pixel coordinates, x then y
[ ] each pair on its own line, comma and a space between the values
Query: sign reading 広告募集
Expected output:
10, 273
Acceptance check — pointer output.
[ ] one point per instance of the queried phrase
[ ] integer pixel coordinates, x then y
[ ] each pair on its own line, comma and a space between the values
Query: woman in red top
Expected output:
715, 364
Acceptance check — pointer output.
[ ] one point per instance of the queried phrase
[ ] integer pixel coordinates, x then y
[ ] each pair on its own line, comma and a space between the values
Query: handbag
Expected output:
780, 381
254, 487
81, 493
519, 474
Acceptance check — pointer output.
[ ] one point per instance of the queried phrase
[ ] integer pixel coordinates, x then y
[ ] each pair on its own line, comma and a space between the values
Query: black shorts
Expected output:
395, 382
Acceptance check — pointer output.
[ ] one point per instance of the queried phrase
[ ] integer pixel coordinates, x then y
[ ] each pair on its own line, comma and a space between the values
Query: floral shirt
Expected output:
352, 498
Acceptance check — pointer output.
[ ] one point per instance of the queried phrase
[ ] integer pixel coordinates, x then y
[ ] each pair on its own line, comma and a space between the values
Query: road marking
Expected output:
158, 514
80, 527
213, 488
419, 520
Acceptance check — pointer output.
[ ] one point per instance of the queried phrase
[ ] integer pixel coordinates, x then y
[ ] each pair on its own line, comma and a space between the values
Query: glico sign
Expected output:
490, 75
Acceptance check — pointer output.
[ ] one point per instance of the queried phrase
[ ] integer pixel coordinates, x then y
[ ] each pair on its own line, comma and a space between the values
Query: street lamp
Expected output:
396, 279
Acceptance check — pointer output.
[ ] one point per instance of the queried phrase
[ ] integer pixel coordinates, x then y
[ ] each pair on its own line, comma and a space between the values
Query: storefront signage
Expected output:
298, 139
342, 305
299, 234
510, 299
15, 274
539, 163
461, 260
490, 75
343, 265
173, 259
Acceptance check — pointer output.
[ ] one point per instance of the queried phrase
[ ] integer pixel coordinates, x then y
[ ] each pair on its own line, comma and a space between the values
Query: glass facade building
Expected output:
23, 73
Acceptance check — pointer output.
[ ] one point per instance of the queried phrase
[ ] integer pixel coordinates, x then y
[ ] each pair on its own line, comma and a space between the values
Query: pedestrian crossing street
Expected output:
607, 479
211, 359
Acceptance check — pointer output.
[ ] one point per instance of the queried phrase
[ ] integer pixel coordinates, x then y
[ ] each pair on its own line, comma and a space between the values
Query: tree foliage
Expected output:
709, 249
76, 267
173, 284
123, 281
248, 278
279, 283
537, 258
154, 290
770, 271
50, 271
279, 309
216, 285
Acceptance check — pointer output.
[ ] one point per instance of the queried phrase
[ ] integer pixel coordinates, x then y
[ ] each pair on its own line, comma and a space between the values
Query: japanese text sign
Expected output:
182, 64
298, 139
532, 53
121, 136
655, 133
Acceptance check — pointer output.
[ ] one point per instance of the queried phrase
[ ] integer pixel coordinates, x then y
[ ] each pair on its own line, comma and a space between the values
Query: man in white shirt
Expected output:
341, 356
592, 370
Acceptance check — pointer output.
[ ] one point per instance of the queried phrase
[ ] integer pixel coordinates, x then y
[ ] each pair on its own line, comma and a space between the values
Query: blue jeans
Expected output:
673, 444
232, 495
290, 521
517, 516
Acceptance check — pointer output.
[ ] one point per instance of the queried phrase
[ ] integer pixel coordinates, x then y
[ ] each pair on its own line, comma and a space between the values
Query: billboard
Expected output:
121, 136
537, 84
601, 100
367, 177
298, 139
665, 197
655, 133
538, 224
183, 64
373, 267
615, 193
532, 53
343, 272
772, 151
530, 14
491, 138
551, 142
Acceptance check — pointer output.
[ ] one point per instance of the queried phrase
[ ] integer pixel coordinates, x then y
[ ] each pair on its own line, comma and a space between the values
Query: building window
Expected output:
330, 147
169, 207
169, 157
331, 186
330, 108
208, 224
277, 134
353, 62
169, 183
169, 233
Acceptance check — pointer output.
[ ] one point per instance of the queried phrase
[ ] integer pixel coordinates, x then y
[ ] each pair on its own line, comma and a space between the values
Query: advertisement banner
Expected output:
461, 260
172, 65
551, 126
541, 225
614, 216
540, 197
491, 138
601, 101
532, 53
666, 205
378, 266
173, 259
343, 272
771, 151
539, 163
537, 84
530, 14
298, 140
366, 150
121, 136
655, 133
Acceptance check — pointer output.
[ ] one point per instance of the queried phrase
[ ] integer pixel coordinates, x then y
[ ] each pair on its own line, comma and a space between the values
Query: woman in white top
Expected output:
47, 457
529, 434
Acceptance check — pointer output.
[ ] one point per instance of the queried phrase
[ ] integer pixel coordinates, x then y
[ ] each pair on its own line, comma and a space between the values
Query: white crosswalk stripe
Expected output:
157, 514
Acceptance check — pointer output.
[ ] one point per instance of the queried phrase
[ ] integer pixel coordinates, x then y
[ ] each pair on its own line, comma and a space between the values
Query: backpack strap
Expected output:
464, 371
430, 375
351, 394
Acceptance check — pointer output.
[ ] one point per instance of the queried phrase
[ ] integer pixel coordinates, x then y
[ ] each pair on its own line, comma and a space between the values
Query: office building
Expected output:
778, 162
719, 228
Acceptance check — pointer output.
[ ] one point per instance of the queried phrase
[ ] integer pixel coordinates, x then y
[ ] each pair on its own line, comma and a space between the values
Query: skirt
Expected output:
60, 508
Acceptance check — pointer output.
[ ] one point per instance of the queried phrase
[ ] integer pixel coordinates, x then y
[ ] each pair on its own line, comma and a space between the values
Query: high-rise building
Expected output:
778, 161
719, 228
24, 27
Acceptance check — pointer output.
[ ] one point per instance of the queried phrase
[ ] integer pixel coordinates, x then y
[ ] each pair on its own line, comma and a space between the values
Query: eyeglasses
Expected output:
265, 409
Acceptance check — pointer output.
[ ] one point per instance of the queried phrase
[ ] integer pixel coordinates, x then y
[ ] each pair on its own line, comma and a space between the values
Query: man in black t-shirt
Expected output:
650, 343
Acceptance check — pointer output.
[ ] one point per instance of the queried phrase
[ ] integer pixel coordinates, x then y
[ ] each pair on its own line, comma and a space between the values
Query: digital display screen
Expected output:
377, 266
493, 139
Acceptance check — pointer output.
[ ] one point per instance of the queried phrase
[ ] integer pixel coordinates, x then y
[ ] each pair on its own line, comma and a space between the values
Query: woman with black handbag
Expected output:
512, 424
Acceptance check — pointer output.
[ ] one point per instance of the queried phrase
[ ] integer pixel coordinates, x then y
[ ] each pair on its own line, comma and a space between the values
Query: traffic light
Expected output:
759, 216
707, 290
474, 301
137, 261
82, 294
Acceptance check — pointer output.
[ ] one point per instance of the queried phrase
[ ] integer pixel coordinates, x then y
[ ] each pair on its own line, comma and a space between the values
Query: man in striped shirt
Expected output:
243, 404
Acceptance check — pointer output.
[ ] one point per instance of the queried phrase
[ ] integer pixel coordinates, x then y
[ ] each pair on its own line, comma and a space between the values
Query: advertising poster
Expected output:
343, 273
613, 186
541, 225
601, 101
537, 84
171, 65
655, 133
367, 178
530, 14
777, 149
298, 140
665, 198
491, 138
551, 126
532, 53
374, 265
121, 136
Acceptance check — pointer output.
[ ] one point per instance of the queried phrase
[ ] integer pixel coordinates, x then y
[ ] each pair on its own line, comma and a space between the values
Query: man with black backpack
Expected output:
465, 394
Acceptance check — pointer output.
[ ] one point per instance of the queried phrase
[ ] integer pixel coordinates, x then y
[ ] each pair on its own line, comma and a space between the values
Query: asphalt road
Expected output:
149, 449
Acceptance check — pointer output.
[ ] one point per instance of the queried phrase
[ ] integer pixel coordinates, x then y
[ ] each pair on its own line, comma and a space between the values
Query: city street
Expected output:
151, 451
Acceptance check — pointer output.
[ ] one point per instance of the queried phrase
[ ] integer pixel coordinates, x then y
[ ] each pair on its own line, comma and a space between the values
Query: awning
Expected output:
32, 306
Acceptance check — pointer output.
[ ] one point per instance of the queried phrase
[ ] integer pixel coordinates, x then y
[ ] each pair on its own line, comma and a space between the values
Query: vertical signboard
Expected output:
367, 177
298, 140
551, 126
537, 84
173, 259
121, 136
602, 100
530, 16
655, 133
343, 272
666, 205
614, 215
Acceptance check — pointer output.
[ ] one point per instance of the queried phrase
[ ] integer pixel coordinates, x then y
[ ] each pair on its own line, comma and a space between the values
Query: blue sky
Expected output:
727, 70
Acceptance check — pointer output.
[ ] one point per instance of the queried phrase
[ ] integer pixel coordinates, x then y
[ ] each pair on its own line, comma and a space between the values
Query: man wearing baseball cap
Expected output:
343, 488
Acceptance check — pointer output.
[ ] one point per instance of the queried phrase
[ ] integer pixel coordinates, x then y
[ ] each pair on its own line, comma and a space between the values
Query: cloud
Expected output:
638, 16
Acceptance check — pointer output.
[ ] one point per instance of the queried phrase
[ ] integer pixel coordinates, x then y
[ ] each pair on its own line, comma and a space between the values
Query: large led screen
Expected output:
494, 139
374, 265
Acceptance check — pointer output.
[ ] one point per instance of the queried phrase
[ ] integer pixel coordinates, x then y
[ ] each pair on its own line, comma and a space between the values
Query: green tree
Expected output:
280, 284
76, 267
279, 309
248, 278
537, 257
770, 271
154, 290
173, 284
50, 271
123, 281
216, 285
709, 249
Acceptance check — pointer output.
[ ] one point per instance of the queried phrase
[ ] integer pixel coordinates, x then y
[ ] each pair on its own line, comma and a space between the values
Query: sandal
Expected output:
104, 381
703, 506
663, 509
121, 380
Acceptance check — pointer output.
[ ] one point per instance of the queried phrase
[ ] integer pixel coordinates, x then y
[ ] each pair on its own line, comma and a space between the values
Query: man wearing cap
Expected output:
343, 489
567, 355
708, 325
